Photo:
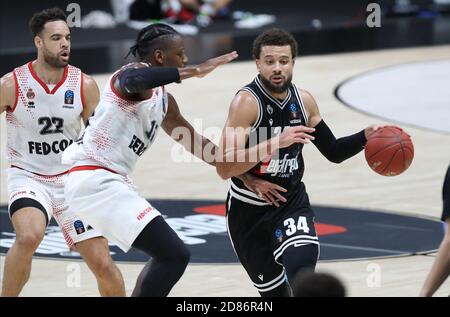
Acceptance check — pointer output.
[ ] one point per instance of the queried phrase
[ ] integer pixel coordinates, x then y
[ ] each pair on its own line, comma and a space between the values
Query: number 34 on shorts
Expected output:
292, 226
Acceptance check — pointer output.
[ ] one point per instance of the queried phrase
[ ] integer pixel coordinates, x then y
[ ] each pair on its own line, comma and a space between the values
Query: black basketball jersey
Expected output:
285, 167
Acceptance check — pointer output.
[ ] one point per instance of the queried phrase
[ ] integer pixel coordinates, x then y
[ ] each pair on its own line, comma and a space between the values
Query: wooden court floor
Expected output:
351, 184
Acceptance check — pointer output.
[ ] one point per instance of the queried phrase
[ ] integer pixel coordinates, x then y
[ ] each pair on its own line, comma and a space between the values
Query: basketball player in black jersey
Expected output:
441, 266
269, 122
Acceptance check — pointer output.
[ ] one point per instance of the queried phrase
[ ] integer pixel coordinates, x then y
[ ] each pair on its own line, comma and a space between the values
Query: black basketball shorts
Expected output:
260, 235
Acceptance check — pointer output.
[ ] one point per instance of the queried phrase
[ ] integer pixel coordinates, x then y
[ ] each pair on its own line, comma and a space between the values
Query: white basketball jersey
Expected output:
44, 121
120, 131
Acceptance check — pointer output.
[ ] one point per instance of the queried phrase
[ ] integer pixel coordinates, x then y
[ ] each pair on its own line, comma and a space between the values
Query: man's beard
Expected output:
54, 61
274, 88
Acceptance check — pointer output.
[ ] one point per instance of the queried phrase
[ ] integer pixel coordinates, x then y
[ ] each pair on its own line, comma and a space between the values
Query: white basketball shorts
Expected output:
108, 202
49, 192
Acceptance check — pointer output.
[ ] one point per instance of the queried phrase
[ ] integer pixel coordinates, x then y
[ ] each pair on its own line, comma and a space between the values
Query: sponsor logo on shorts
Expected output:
143, 213
279, 234
79, 227
17, 194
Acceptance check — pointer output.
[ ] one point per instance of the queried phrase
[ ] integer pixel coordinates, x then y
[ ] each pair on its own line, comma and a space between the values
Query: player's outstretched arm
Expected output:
136, 80
7, 92
201, 70
179, 129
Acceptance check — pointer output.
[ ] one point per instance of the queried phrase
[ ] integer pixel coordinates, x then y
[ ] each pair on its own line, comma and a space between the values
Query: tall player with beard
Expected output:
268, 123
45, 101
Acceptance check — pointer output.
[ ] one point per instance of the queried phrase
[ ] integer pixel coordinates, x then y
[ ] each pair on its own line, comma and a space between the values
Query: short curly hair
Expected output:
39, 19
274, 37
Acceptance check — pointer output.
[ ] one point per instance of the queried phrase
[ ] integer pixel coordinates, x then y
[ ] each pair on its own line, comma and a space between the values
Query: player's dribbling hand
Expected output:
205, 68
268, 191
374, 127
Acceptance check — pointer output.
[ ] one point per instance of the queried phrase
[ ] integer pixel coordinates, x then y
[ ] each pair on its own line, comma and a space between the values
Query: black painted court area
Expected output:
343, 233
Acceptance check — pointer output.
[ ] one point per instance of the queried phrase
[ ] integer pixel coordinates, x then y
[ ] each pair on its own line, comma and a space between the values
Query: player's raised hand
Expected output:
206, 67
203, 69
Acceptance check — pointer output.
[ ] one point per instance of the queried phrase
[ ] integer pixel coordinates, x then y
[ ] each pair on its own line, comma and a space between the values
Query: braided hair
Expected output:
150, 38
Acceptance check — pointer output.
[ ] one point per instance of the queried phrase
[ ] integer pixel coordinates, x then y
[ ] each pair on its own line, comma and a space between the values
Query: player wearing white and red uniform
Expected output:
45, 102
41, 124
117, 135
132, 108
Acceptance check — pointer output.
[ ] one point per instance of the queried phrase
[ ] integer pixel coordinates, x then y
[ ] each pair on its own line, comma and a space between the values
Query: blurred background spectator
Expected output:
310, 284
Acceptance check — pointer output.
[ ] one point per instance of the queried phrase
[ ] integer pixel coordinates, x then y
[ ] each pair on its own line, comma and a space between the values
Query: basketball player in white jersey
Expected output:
132, 108
45, 101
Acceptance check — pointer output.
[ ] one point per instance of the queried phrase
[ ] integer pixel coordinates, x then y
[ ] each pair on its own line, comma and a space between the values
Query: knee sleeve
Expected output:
169, 255
301, 258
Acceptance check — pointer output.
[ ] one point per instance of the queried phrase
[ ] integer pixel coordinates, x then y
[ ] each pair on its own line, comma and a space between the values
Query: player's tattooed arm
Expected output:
7, 92
179, 129
91, 97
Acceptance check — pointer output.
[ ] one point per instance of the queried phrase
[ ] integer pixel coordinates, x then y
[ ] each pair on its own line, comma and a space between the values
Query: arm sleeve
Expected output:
339, 150
135, 80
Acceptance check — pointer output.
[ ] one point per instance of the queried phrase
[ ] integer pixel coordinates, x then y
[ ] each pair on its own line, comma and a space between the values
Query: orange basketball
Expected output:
389, 151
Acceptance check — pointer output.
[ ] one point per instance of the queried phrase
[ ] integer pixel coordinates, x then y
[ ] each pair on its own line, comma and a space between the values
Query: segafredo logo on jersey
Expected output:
282, 166
279, 167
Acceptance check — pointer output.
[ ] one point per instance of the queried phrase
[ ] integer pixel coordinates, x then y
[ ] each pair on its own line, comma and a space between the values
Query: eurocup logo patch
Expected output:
79, 227
294, 112
279, 234
68, 97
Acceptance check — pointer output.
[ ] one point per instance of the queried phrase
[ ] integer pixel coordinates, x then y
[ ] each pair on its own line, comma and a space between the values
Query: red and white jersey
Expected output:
119, 132
43, 122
